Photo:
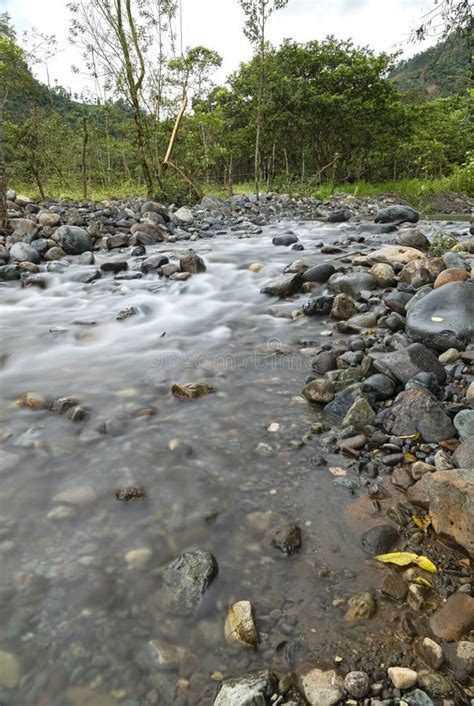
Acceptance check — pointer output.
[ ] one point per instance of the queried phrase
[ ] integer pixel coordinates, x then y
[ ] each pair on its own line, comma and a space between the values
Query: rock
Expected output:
138, 558
449, 356
465, 655
344, 400
191, 262
464, 454
390, 255
417, 697
359, 415
451, 502
319, 273
186, 579
114, 266
72, 239
184, 215
32, 400
351, 284
343, 307
382, 385
8, 273
394, 586
444, 318
464, 423
455, 618
418, 494
79, 495
319, 391
127, 313
240, 625
413, 238
360, 607
320, 686
452, 274
255, 689
48, 219
153, 263
285, 240
417, 410
283, 286
158, 656
402, 678
434, 684
379, 539
405, 363
9, 670
147, 234
192, 390
287, 539
318, 306
53, 254
23, 227
432, 653
340, 216
256, 266
397, 301
383, 275
357, 684
397, 213
21, 252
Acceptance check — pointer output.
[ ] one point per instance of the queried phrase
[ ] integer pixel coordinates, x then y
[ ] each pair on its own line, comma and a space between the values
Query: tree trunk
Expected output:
230, 186
85, 139
3, 181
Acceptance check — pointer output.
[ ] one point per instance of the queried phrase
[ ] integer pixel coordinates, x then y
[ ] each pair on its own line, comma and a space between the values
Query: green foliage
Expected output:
440, 71
442, 243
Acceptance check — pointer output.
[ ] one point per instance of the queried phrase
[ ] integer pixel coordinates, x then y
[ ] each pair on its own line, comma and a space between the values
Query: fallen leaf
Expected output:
405, 558
423, 582
422, 522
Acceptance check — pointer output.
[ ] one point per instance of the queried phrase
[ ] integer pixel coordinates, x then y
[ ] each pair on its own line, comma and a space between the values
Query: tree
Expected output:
117, 38
13, 75
257, 14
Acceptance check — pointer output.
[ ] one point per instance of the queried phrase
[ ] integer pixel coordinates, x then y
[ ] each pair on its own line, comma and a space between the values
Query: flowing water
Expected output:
73, 610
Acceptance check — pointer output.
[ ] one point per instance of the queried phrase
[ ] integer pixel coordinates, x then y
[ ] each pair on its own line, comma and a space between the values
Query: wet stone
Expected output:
186, 579
287, 539
357, 684
9, 670
240, 625
402, 678
130, 493
455, 618
379, 539
394, 586
360, 607
255, 689
192, 390
320, 686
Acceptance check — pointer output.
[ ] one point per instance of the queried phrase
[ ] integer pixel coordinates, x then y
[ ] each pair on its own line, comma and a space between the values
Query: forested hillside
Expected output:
331, 115
440, 71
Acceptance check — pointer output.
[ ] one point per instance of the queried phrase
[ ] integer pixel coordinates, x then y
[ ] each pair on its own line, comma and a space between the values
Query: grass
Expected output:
414, 191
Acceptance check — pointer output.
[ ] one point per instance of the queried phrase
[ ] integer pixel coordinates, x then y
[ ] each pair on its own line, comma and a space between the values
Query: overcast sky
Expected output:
383, 25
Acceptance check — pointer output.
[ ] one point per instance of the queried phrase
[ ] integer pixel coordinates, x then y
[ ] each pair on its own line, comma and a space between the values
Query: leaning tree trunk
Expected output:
3, 181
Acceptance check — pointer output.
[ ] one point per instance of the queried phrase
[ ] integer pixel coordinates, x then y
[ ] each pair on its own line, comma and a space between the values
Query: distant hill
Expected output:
437, 72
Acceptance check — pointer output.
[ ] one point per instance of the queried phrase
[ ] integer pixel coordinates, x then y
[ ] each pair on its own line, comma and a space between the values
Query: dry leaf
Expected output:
406, 558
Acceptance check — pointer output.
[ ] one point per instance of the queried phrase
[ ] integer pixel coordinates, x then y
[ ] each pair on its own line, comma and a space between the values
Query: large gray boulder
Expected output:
22, 252
444, 318
72, 239
451, 497
397, 213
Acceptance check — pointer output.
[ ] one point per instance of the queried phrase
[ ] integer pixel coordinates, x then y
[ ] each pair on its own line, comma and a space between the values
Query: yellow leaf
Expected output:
423, 582
422, 522
425, 564
398, 558
409, 458
405, 558
412, 437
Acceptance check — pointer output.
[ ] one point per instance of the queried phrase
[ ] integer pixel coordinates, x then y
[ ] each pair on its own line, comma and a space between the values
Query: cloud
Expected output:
385, 26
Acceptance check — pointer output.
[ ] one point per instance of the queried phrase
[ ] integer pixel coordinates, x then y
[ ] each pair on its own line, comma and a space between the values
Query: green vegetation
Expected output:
328, 119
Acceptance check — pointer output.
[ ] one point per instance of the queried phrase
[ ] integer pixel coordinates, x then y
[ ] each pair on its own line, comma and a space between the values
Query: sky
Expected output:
384, 25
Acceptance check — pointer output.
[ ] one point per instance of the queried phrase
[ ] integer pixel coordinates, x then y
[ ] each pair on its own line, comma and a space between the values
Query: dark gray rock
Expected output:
417, 410
287, 539
379, 539
153, 263
405, 363
319, 273
340, 216
344, 400
398, 213
382, 385
318, 306
412, 238
282, 286
72, 239
444, 318
8, 273
285, 240
397, 300
114, 266
186, 579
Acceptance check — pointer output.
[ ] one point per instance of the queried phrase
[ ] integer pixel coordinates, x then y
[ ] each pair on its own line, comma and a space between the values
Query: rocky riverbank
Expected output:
382, 309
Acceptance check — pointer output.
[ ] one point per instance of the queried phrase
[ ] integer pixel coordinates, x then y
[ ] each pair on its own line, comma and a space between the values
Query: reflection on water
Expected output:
78, 604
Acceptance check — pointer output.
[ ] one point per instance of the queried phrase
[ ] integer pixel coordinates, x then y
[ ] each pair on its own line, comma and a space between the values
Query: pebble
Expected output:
79, 495
9, 670
240, 625
402, 678
138, 558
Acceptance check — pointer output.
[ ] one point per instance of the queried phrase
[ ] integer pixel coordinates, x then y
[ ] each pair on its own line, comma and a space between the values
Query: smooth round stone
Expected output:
444, 318
464, 423
379, 539
21, 252
357, 684
402, 678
